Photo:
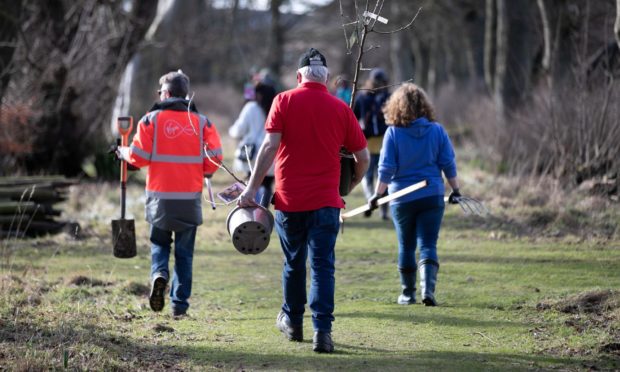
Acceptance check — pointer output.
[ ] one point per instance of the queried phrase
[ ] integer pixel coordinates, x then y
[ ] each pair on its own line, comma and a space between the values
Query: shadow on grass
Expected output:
436, 318
115, 352
347, 357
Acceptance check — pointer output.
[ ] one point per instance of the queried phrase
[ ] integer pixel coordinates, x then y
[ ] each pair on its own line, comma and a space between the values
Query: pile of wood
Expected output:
27, 205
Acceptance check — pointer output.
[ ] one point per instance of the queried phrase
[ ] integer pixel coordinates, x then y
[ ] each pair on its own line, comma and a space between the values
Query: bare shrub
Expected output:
15, 138
570, 134
471, 118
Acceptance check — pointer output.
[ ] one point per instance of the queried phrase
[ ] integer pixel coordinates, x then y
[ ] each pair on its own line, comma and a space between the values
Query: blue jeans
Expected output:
161, 241
303, 234
417, 223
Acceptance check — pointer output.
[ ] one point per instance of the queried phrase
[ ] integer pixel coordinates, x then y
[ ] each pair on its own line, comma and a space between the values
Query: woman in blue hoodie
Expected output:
415, 148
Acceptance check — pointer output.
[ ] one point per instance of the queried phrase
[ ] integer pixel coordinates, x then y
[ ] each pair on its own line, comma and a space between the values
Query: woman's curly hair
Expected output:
407, 103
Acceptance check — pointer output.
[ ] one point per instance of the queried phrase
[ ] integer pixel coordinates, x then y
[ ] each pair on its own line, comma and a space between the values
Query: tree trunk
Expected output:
515, 53
617, 25
544, 16
490, 43
276, 45
420, 61
401, 57
73, 75
559, 39
433, 61
230, 50
9, 27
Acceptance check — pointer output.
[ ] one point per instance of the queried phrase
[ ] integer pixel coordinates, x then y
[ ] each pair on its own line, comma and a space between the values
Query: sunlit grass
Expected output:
491, 282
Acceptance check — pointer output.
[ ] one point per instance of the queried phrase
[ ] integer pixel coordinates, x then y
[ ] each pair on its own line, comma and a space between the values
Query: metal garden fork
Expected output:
471, 206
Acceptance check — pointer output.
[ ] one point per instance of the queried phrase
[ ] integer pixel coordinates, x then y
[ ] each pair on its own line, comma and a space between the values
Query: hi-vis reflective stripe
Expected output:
141, 153
173, 195
181, 159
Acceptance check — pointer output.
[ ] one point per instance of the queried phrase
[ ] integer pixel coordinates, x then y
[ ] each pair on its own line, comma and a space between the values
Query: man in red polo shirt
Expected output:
306, 128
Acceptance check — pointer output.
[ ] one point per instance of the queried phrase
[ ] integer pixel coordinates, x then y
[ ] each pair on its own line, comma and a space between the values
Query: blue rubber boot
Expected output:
428, 280
407, 281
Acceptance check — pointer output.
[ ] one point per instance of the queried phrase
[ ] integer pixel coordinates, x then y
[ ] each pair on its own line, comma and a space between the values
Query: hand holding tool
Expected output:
384, 200
123, 231
454, 195
469, 206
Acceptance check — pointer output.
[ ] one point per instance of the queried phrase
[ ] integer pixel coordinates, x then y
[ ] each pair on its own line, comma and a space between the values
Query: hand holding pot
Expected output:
246, 199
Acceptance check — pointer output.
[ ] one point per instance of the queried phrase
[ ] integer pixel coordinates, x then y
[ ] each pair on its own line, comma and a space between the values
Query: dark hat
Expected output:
312, 58
377, 74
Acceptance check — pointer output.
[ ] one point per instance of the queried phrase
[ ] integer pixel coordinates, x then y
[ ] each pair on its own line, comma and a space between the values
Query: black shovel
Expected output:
124, 231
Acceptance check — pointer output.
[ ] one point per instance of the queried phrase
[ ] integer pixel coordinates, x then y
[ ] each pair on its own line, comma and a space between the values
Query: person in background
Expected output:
306, 128
343, 89
249, 128
367, 108
416, 148
173, 140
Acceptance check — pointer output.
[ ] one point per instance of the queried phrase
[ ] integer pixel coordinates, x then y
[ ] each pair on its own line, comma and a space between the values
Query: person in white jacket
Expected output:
249, 129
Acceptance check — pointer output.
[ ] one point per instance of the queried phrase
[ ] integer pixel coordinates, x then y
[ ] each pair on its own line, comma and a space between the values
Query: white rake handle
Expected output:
384, 200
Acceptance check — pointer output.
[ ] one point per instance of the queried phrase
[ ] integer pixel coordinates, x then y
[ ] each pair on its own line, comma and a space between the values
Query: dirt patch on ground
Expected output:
81, 280
137, 289
596, 302
594, 311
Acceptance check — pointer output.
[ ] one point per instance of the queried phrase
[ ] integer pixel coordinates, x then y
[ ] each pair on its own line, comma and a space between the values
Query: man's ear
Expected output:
298, 78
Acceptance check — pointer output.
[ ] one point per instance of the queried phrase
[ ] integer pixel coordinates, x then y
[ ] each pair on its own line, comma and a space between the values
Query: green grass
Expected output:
490, 292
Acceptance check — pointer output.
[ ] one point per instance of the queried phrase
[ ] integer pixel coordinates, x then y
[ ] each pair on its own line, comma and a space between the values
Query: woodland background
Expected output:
527, 89
531, 84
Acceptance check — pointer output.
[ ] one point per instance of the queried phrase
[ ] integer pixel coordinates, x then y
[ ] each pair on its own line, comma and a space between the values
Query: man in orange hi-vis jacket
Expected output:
180, 147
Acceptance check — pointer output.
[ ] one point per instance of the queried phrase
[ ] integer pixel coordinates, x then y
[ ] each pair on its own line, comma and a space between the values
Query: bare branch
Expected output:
379, 5
344, 30
387, 86
402, 28
372, 47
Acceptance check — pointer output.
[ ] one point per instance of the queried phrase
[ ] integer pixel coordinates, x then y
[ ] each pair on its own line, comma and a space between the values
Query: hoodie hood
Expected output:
174, 104
419, 127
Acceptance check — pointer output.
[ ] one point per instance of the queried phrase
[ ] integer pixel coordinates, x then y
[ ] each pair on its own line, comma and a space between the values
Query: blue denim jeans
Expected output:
417, 223
313, 234
161, 240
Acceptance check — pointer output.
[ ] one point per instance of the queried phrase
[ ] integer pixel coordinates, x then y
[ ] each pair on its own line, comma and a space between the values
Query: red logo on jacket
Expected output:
173, 129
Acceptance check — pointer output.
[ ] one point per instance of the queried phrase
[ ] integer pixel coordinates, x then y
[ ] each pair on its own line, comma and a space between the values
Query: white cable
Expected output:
188, 115
219, 165
222, 166
247, 157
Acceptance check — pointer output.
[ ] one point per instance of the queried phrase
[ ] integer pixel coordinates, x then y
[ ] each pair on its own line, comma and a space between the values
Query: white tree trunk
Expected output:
490, 43
617, 25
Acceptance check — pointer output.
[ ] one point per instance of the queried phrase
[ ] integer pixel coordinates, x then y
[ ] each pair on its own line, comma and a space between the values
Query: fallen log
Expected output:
27, 205
33, 228
9, 208
54, 181
36, 193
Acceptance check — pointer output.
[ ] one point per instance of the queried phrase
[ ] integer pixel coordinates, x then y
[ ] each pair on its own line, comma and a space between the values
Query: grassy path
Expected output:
505, 304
